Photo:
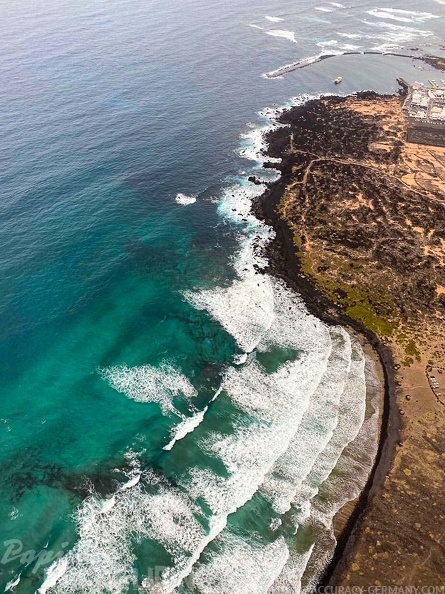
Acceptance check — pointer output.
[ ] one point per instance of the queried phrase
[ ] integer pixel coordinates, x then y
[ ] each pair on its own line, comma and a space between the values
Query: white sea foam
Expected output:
310, 510
248, 308
253, 144
323, 8
257, 27
289, 580
292, 326
398, 33
240, 359
349, 47
315, 430
351, 414
393, 27
404, 16
131, 483
328, 43
295, 398
350, 35
249, 450
53, 574
277, 401
395, 40
274, 19
106, 541
186, 426
217, 393
276, 395
185, 200
253, 147
337, 4
382, 14
347, 482
13, 583
290, 35
386, 48
313, 19
107, 505
247, 454
14, 514
245, 309
240, 567
150, 384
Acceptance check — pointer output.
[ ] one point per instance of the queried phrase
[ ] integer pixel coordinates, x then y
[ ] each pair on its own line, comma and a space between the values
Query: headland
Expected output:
359, 215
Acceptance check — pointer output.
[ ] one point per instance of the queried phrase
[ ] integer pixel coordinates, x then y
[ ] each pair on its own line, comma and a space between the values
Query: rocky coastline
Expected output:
351, 136
284, 263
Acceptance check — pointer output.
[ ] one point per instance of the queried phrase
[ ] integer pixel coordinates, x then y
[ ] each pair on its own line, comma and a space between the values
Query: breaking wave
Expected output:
290, 35
274, 19
185, 200
404, 16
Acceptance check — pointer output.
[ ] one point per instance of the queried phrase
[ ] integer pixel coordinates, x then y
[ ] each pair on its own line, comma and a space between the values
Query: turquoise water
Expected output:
124, 312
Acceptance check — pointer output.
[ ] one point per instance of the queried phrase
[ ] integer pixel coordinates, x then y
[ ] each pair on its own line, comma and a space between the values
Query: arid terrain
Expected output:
364, 213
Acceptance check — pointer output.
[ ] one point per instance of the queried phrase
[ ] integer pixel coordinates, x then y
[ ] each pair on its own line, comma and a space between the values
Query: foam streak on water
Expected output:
240, 567
276, 402
314, 455
150, 384
245, 309
290, 35
351, 414
404, 16
274, 19
186, 426
250, 452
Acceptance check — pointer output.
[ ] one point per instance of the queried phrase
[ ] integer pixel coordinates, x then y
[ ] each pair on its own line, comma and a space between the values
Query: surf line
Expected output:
315, 59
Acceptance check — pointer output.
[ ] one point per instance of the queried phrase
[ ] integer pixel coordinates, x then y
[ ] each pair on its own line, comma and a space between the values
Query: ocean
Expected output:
172, 420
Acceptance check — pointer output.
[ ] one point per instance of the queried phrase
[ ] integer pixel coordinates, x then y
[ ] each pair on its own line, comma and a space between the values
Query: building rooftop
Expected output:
426, 103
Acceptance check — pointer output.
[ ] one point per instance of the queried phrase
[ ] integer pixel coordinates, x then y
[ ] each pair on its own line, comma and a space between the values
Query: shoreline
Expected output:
387, 439
359, 218
284, 263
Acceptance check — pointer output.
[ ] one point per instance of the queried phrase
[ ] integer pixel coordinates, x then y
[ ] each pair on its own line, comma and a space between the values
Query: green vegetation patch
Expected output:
364, 313
373, 309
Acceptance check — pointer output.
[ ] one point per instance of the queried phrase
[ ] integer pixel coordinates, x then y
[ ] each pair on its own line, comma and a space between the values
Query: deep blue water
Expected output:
108, 110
